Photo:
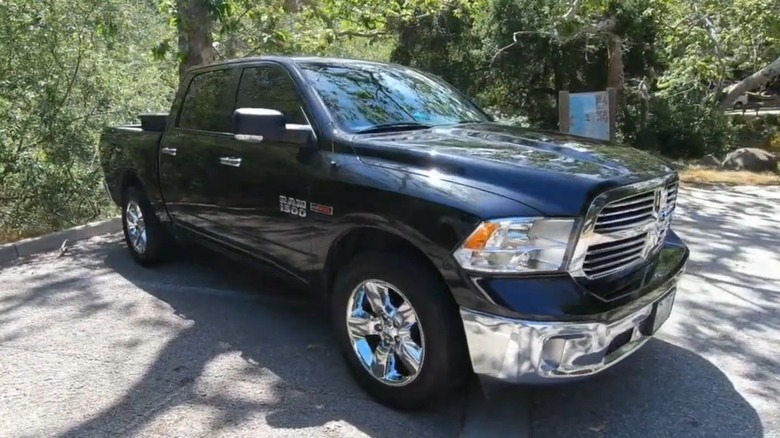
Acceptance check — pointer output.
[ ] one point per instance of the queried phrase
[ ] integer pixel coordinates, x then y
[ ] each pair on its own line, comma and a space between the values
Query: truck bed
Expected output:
129, 151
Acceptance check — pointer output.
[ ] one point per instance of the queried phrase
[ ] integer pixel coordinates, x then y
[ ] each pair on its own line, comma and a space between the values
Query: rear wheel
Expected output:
146, 239
399, 330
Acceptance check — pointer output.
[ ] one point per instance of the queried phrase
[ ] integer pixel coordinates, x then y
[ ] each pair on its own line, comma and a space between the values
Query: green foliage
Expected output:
684, 128
761, 131
676, 55
70, 68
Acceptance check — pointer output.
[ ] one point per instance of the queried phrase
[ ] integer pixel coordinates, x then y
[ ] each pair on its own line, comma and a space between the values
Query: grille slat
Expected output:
614, 263
628, 210
624, 203
627, 218
617, 219
632, 252
600, 258
618, 244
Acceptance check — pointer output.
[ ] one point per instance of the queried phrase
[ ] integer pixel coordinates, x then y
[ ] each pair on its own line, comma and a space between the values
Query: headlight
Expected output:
516, 245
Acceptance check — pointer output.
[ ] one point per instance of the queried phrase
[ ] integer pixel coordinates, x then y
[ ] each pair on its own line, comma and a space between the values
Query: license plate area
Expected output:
661, 312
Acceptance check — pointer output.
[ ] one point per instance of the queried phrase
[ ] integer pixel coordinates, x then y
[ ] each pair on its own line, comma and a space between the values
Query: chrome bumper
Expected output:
519, 351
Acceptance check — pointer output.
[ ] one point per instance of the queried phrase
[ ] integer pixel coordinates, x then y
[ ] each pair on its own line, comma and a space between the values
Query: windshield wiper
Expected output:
403, 126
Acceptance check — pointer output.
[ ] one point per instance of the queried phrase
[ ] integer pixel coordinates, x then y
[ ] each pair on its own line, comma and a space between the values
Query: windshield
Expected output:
365, 96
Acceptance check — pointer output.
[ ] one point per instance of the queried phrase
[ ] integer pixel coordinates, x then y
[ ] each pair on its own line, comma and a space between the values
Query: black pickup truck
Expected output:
440, 242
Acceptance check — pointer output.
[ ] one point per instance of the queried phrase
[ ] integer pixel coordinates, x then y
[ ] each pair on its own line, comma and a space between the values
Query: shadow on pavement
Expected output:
661, 391
293, 376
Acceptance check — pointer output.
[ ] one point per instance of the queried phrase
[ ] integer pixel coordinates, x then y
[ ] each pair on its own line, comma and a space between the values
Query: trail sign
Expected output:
590, 114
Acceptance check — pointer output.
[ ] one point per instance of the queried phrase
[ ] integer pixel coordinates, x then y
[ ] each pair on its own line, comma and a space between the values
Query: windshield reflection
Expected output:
362, 96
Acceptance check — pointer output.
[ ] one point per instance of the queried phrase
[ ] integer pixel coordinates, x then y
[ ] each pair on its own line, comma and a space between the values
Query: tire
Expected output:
151, 246
439, 332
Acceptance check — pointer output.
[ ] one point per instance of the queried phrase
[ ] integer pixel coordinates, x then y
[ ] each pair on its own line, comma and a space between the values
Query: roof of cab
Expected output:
293, 60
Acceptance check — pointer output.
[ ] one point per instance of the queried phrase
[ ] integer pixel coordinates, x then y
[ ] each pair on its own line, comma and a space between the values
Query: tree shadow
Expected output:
662, 390
292, 376
731, 292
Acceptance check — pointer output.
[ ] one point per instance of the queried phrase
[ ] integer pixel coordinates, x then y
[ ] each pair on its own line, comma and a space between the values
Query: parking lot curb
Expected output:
54, 241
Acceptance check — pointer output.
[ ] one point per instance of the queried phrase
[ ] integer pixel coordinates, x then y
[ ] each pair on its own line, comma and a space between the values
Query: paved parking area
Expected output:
93, 345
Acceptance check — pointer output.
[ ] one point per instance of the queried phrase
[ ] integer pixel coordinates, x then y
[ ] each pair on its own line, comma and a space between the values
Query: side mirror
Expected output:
261, 124
257, 121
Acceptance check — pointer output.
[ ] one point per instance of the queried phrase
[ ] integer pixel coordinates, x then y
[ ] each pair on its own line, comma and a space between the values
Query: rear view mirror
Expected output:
262, 124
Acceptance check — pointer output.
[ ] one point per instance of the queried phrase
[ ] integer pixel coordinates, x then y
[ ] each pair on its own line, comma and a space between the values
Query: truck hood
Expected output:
554, 173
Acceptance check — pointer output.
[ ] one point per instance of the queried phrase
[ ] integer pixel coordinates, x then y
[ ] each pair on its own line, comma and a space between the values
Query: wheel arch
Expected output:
364, 238
122, 179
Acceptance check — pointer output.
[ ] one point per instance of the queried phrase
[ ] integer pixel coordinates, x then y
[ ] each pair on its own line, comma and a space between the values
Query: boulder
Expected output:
710, 160
751, 159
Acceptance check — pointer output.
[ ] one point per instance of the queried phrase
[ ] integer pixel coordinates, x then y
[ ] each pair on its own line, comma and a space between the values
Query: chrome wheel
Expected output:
136, 227
385, 332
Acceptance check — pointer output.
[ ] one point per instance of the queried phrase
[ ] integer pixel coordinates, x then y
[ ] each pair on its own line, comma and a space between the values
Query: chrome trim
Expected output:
169, 151
521, 351
656, 226
230, 161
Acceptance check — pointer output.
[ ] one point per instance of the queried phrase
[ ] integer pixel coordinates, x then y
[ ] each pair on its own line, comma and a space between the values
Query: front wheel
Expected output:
399, 330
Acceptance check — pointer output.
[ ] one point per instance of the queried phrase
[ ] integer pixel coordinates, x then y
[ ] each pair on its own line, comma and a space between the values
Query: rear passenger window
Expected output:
272, 88
207, 104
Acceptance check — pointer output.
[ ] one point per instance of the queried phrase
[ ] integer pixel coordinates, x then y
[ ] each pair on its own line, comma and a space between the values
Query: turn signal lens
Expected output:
480, 237
516, 245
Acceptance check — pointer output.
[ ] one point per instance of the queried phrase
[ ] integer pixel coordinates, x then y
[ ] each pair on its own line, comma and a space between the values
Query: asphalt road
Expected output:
93, 345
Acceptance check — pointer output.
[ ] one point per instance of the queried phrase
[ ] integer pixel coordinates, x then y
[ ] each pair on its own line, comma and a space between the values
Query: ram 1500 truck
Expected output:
439, 242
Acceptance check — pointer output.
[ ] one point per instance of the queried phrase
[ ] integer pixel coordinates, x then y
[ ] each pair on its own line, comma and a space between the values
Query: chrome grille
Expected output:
626, 213
624, 227
605, 258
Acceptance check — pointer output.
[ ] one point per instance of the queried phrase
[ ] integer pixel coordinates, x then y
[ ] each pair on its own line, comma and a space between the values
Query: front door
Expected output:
188, 152
264, 206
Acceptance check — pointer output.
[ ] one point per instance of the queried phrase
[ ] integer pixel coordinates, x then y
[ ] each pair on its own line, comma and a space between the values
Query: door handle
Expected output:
230, 161
169, 151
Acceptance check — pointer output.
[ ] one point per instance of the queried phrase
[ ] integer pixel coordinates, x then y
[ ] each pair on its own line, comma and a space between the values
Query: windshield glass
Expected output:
362, 96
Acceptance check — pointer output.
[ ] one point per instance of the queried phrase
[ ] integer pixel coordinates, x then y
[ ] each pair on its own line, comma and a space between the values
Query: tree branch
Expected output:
752, 82
574, 9
711, 31
605, 25
515, 40
354, 33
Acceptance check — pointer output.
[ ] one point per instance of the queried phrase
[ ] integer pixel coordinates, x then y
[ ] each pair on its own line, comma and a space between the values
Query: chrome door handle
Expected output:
169, 151
230, 161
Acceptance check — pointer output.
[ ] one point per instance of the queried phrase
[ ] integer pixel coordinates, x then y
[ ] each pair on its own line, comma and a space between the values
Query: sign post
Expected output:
591, 115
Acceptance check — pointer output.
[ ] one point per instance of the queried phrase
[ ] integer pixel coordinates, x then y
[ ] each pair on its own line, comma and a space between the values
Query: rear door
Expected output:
189, 150
264, 205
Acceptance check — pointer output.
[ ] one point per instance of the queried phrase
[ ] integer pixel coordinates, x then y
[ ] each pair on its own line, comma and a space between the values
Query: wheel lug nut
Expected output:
378, 327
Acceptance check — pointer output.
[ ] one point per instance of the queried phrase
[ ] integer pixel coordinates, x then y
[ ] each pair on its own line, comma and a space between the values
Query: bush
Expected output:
761, 131
684, 129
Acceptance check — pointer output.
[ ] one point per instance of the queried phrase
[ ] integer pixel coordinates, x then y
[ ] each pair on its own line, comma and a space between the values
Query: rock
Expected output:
710, 160
751, 159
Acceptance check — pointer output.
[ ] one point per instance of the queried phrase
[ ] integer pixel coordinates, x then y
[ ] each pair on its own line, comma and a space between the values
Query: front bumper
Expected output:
533, 351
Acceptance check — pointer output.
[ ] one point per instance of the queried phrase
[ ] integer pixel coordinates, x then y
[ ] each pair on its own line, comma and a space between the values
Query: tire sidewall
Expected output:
152, 252
441, 368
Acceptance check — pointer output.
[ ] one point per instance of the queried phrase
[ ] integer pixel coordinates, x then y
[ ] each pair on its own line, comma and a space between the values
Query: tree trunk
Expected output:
750, 83
195, 44
615, 77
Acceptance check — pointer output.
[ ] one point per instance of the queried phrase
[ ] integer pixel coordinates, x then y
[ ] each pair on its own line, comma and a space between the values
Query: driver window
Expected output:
270, 87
